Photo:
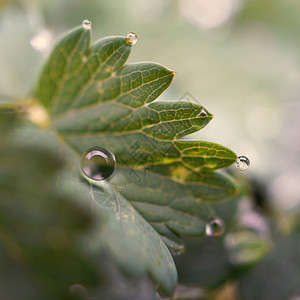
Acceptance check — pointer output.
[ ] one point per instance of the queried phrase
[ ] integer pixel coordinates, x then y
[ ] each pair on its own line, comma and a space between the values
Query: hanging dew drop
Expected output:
215, 227
131, 38
87, 24
242, 163
98, 163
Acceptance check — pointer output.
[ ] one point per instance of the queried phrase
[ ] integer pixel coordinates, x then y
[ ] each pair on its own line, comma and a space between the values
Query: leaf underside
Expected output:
94, 99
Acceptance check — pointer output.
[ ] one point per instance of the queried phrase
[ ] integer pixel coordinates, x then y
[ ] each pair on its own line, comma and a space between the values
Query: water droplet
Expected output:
98, 163
242, 163
202, 113
87, 24
131, 38
215, 227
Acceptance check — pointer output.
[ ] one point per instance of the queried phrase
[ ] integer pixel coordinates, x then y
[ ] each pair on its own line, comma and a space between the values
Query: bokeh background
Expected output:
238, 58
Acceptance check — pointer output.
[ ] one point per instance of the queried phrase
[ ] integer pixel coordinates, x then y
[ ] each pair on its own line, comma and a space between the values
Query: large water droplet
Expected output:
215, 227
98, 163
242, 163
87, 24
131, 38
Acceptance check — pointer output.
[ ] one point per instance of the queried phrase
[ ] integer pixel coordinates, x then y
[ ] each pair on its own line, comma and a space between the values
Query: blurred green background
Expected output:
238, 58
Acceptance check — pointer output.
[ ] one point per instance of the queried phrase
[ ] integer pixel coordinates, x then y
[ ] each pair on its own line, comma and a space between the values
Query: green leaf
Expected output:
39, 224
135, 244
171, 206
145, 245
94, 99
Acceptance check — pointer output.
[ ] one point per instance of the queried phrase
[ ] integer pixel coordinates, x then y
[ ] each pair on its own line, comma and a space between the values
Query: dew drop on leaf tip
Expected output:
98, 163
131, 38
202, 113
242, 163
87, 24
215, 227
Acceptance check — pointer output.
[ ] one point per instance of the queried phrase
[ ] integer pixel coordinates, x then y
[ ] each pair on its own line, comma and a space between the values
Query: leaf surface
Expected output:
94, 99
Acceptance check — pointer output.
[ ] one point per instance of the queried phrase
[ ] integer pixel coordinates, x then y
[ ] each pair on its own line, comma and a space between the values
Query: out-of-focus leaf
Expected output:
134, 243
277, 277
39, 226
